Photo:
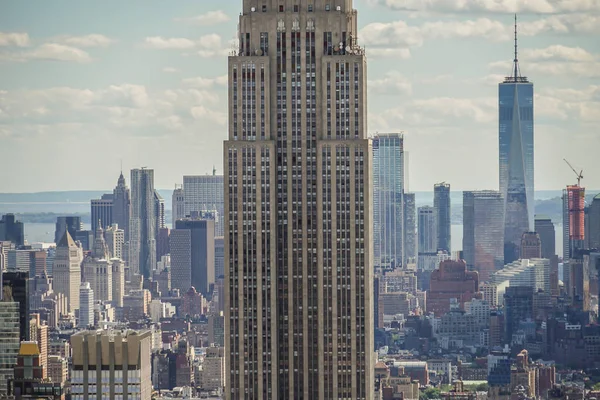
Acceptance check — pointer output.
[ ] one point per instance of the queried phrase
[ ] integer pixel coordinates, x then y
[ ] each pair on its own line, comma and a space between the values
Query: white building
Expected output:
213, 369
178, 204
528, 272
480, 309
86, 306
205, 193
66, 270
115, 239
490, 293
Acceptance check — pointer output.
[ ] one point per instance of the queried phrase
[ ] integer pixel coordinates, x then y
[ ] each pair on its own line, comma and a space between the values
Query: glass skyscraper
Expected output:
388, 188
441, 204
516, 156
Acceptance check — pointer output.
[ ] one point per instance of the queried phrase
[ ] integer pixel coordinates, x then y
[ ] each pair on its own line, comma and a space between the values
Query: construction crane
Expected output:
579, 174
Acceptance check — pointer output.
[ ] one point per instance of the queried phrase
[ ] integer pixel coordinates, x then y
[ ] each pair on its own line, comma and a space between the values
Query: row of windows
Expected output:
296, 8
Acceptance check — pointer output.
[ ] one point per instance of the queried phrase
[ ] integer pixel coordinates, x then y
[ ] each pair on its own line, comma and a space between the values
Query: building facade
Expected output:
67, 270
545, 229
427, 235
388, 188
177, 204
142, 227
86, 306
63, 224
9, 341
204, 193
12, 230
443, 213
573, 220
298, 252
122, 205
410, 227
102, 212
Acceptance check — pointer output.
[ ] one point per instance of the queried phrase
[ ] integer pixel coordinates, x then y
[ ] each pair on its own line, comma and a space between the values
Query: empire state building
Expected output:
298, 252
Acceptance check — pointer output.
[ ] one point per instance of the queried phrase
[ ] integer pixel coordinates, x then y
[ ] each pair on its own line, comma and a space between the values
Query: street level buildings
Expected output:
298, 206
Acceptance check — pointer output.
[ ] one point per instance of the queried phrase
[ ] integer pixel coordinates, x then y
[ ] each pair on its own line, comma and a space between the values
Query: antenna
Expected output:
516, 60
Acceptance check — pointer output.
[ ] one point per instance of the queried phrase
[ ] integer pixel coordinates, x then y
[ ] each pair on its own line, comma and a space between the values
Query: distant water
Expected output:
36, 232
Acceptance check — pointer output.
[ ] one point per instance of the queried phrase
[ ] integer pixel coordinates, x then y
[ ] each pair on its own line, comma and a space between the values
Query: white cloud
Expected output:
209, 45
205, 83
48, 52
208, 18
159, 42
392, 83
493, 6
92, 40
170, 70
558, 52
14, 39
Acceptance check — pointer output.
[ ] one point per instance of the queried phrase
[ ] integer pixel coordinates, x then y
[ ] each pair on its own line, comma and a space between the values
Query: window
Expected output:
264, 8
310, 8
327, 7
296, 8
280, 8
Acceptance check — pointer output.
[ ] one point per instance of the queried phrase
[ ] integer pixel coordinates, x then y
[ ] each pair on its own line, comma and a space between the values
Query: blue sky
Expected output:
84, 85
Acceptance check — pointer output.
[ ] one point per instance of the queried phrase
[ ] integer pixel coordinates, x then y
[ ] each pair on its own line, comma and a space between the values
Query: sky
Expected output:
88, 86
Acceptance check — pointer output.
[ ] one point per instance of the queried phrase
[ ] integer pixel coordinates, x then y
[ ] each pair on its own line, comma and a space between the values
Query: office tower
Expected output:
219, 257
427, 235
204, 193
9, 341
515, 110
193, 250
38, 332
142, 228
443, 213
388, 187
102, 211
127, 352
67, 270
86, 306
159, 211
97, 269
122, 206
12, 230
573, 220
518, 306
483, 232
70, 224
531, 246
16, 287
118, 282
592, 224
545, 229
451, 280
298, 204
177, 204
410, 227
162, 242
115, 240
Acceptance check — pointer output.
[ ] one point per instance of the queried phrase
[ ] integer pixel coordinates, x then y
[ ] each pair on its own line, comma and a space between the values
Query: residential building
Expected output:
410, 228
518, 306
213, 369
86, 306
427, 235
592, 225
58, 369
67, 270
177, 204
545, 229
451, 280
483, 232
38, 332
205, 192
129, 353
303, 177
12, 230
533, 273
102, 212
159, 212
573, 220
142, 227
443, 214
388, 188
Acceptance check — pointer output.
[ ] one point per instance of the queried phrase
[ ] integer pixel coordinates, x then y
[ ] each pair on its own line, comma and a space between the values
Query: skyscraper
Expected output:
483, 232
545, 228
427, 234
9, 341
142, 227
298, 249
122, 206
573, 220
531, 246
388, 187
67, 270
159, 212
443, 212
16, 287
177, 204
410, 227
12, 230
86, 306
516, 156
102, 211
592, 225
72, 224
204, 193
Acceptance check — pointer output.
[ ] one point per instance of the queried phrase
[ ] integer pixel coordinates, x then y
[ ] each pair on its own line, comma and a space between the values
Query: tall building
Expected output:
443, 212
531, 246
71, 224
518, 306
410, 227
427, 238
159, 212
199, 259
388, 187
142, 227
97, 269
451, 280
592, 225
38, 332
86, 306
115, 240
122, 206
177, 204
573, 220
16, 287
102, 211
219, 257
516, 144
545, 229
298, 204
12, 230
483, 232
127, 352
67, 270
9, 341
204, 193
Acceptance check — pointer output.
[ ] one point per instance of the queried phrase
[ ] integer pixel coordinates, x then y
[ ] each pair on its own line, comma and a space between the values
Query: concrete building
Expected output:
443, 213
159, 214
142, 227
303, 176
545, 229
213, 369
205, 193
9, 341
177, 204
490, 293
534, 273
480, 309
97, 269
127, 353
483, 232
427, 235
58, 369
518, 306
531, 245
410, 228
122, 207
67, 270
102, 212
86, 306
388, 188
399, 280
12, 230
118, 281
451, 280
38, 332
115, 241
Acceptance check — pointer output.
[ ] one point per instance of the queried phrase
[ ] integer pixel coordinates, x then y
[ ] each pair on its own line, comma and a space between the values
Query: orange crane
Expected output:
579, 174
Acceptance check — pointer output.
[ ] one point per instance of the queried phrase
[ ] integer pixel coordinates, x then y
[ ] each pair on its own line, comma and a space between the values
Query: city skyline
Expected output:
187, 55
